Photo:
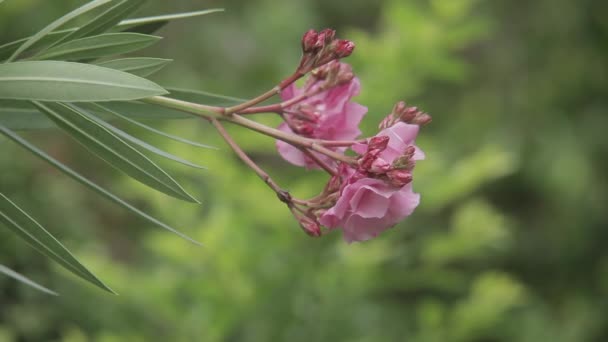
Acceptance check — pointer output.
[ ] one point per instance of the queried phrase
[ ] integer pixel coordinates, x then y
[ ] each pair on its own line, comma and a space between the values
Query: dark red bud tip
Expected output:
344, 48
309, 40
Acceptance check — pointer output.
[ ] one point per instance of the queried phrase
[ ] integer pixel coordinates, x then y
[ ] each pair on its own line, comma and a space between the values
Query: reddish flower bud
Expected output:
308, 41
327, 36
310, 226
378, 143
399, 178
344, 48
366, 161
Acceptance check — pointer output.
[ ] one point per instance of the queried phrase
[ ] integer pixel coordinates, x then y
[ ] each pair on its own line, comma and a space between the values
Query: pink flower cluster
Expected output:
370, 192
324, 114
379, 194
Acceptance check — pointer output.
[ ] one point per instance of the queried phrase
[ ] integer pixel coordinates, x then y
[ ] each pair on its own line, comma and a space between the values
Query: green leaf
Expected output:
137, 141
112, 149
147, 28
106, 44
130, 23
22, 224
7, 49
140, 66
7, 271
105, 20
76, 176
71, 82
145, 25
153, 130
56, 24
21, 115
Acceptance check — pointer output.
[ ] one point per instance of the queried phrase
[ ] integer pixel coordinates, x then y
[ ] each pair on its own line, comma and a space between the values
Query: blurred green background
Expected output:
508, 243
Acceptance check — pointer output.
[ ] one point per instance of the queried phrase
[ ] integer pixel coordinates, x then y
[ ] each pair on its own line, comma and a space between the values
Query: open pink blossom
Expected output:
329, 115
367, 206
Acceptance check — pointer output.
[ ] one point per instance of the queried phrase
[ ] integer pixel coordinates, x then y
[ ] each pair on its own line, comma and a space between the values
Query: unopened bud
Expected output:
378, 143
399, 108
310, 226
422, 119
327, 36
399, 178
404, 163
366, 161
308, 41
343, 48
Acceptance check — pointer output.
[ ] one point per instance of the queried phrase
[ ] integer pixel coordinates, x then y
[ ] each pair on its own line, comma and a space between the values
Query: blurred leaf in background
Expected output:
508, 242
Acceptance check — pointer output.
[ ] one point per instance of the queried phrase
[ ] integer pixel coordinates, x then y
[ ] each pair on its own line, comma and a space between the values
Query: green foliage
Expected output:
71, 82
28, 229
61, 81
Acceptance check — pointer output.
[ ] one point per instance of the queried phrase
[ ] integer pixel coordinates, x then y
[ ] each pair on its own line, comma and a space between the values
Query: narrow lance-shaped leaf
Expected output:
7, 271
79, 178
138, 142
154, 130
130, 23
71, 82
7, 49
22, 224
140, 66
112, 149
145, 25
20, 115
106, 44
56, 24
105, 20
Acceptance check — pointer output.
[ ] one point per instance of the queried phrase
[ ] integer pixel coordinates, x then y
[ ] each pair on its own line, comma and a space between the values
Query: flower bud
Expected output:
308, 41
310, 226
399, 178
326, 36
378, 143
422, 119
343, 48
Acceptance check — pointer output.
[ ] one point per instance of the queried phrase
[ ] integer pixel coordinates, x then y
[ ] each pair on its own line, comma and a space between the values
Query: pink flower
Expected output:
328, 115
368, 205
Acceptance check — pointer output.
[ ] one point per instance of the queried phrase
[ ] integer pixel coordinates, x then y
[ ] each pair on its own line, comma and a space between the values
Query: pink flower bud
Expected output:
378, 143
327, 36
308, 41
344, 48
399, 178
310, 226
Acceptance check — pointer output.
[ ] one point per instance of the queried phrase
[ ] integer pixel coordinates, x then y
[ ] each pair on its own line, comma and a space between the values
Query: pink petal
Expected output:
367, 203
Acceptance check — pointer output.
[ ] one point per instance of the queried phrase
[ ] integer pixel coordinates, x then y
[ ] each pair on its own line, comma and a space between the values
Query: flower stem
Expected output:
207, 113
283, 195
265, 96
319, 161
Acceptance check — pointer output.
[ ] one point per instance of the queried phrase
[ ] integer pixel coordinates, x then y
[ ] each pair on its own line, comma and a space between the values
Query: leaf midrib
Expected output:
69, 80
58, 52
